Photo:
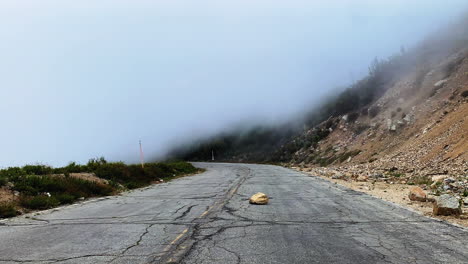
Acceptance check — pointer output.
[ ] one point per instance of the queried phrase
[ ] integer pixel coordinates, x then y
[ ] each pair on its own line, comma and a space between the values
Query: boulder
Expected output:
259, 198
417, 194
446, 205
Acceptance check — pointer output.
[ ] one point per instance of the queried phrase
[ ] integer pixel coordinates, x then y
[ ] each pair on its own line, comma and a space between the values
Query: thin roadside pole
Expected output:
142, 157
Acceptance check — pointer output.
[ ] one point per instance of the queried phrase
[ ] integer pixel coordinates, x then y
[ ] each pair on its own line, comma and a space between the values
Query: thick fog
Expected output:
81, 79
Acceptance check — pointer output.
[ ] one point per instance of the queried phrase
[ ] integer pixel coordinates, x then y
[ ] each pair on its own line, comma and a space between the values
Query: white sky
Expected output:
80, 79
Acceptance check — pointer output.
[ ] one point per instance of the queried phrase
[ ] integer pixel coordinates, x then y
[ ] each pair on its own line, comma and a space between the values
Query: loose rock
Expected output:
446, 205
259, 198
417, 194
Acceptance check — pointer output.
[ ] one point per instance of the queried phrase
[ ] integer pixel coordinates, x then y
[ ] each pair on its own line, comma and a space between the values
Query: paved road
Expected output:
207, 219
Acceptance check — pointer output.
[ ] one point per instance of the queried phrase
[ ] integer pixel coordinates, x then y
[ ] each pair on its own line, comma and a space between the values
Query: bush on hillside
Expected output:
3, 181
39, 202
7, 210
43, 187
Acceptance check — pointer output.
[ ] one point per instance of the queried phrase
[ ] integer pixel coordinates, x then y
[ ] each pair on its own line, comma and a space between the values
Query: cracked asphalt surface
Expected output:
206, 218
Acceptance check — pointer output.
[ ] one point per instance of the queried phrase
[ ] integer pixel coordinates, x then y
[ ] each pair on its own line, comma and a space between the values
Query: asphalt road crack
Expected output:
187, 244
185, 212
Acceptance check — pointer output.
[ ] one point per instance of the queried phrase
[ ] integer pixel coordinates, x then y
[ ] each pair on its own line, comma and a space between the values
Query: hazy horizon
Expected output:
88, 79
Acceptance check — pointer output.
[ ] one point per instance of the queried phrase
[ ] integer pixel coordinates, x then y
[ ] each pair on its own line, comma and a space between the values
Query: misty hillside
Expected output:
411, 103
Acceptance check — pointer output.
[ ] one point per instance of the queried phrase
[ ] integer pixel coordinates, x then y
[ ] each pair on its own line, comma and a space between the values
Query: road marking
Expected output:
216, 205
234, 190
175, 240
206, 212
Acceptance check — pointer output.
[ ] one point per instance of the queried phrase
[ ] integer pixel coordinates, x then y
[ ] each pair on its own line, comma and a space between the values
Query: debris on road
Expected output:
259, 198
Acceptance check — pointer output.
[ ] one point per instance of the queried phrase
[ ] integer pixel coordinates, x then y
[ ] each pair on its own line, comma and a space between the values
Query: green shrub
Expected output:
34, 185
12, 172
7, 210
65, 198
37, 170
39, 202
134, 185
40, 189
3, 181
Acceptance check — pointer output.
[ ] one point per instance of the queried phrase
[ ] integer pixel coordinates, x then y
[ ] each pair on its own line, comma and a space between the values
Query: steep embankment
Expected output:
419, 126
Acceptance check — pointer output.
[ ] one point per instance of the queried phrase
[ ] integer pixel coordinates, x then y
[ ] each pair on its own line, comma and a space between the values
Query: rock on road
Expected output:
207, 218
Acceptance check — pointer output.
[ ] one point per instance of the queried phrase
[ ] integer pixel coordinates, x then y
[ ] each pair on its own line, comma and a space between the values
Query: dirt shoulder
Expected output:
393, 192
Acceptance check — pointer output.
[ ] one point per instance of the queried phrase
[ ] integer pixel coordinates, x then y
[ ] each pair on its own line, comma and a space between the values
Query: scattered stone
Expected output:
417, 194
377, 175
446, 205
259, 198
407, 118
449, 180
438, 178
362, 178
337, 176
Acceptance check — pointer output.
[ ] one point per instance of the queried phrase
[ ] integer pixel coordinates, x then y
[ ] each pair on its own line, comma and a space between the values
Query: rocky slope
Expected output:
420, 130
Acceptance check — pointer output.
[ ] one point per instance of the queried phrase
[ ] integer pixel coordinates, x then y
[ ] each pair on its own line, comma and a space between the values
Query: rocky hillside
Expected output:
408, 116
414, 133
417, 128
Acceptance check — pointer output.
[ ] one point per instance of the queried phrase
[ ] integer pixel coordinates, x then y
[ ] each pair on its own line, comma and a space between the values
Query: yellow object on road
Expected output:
259, 198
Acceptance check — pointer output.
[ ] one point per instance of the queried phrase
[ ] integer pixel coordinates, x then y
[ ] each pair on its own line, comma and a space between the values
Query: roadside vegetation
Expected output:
37, 187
